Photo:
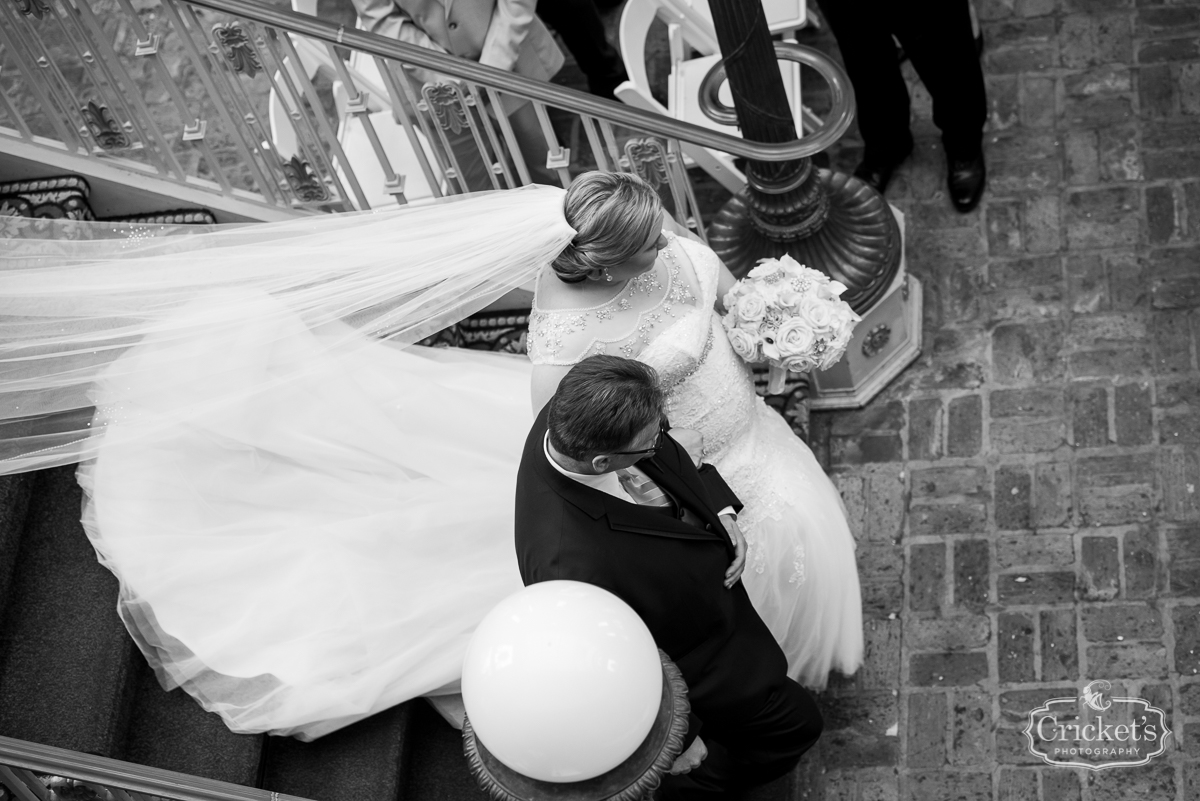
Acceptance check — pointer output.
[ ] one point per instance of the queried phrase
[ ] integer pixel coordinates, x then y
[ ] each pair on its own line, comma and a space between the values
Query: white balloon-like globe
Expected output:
562, 681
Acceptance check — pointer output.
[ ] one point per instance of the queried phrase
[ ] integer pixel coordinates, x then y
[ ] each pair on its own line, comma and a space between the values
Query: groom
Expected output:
607, 496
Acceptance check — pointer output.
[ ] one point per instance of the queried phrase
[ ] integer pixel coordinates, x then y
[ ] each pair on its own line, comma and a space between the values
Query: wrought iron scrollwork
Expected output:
876, 340
304, 182
447, 104
239, 51
648, 160
104, 127
32, 8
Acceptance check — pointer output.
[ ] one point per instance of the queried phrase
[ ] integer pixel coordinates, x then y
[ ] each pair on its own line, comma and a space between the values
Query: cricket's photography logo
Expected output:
1097, 730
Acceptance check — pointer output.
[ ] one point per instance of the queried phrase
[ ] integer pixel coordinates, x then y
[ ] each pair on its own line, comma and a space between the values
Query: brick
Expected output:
1173, 277
1012, 749
971, 729
927, 729
1110, 362
1180, 427
1171, 136
1189, 88
886, 502
1039, 551
1180, 472
1018, 784
881, 560
1143, 577
1036, 588
1012, 498
1032, 402
1023, 435
1081, 148
1076, 46
881, 655
1170, 332
964, 434
866, 449
1127, 661
1120, 155
1183, 549
961, 518
1089, 415
1127, 282
925, 432
1121, 623
882, 598
1173, 164
957, 633
972, 566
1189, 699
1003, 228
1038, 101
1132, 414
1020, 59
1100, 578
1052, 506
927, 572
1020, 31
1158, 50
1100, 329
1014, 643
947, 669
1042, 224
1115, 489
1164, 219
1153, 781
1004, 101
1102, 218
1102, 96
1028, 352
1087, 284
956, 483
1059, 655
1158, 695
1015, 705
1191, 193
959, 786
1024, 175
1170, 19
1060, 785
1156, 91
855, 734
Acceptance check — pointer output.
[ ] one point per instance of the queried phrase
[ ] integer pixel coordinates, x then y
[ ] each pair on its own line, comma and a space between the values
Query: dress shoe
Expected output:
965, 179
877, 172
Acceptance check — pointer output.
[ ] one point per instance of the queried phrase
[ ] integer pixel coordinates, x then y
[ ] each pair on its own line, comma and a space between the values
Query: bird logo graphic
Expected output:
1095, 695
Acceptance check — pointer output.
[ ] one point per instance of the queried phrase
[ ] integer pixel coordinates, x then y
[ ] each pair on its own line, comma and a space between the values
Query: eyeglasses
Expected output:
658, 442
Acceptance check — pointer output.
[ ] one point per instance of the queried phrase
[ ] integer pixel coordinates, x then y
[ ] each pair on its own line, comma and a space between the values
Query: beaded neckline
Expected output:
640, 284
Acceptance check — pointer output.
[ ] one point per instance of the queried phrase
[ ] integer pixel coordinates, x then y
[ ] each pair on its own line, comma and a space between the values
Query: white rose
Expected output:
791, 300
751, 308
795, 337
743, 344
797, 364
819, 313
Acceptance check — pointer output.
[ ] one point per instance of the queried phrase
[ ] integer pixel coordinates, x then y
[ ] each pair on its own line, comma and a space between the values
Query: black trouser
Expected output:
578, 23
753, 751
936, 35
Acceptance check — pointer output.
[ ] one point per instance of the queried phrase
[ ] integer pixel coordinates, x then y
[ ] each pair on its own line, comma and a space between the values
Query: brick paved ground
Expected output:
1026, 493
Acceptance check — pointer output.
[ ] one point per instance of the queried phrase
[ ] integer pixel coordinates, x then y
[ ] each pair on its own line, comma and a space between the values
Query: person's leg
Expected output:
532, 143
870, 57
578, 23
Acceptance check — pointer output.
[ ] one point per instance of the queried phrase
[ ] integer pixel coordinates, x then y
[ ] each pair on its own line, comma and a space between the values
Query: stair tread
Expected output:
65, 658
14, 504
364, 760
169, 730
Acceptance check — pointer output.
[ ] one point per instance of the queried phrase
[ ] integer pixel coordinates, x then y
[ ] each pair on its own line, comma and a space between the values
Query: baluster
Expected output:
205, 68
167, 161
26, 786
557, 157
510, 139
310, 92
593, 136
402, 112
610, 141
486, 121
54, 107
356, 105
692, 218
147, 47
441, 102
11, 112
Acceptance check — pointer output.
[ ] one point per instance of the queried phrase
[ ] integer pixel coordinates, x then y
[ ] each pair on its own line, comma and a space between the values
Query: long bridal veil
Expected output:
308, 516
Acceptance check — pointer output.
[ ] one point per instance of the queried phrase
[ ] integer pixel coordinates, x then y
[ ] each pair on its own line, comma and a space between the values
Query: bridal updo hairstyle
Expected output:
613, 214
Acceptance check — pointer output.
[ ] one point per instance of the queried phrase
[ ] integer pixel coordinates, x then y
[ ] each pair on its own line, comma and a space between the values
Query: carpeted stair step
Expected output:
14, 503
170, 730
66, 662
368, 759
438, 770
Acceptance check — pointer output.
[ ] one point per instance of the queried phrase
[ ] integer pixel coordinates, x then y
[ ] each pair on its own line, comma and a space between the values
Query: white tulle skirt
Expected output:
322, 549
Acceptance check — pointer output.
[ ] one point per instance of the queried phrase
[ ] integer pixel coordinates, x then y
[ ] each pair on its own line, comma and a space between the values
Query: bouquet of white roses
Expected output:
789, 316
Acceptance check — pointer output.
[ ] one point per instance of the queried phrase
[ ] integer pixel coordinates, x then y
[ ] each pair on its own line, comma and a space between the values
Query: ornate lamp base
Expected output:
633, 780
859, 243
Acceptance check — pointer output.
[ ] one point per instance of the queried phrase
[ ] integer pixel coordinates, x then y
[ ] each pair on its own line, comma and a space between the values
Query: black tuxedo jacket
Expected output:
671, 572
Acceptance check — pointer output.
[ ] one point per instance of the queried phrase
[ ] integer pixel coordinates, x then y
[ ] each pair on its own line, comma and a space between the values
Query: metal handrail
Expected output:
20, 756
523, 87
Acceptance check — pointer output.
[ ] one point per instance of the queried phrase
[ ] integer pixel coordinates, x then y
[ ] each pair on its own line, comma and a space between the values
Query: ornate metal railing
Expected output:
33, 772
296, 114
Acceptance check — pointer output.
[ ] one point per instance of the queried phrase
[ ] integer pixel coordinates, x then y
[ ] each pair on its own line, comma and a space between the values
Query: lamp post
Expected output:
828, 221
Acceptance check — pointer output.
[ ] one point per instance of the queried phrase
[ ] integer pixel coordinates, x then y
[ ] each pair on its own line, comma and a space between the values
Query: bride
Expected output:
276, 474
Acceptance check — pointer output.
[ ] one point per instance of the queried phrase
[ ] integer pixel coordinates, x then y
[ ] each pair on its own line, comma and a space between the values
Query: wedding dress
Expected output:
307, 513
800, 567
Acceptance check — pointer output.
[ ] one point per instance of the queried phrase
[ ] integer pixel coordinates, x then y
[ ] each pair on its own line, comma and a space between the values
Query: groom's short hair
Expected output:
601, 405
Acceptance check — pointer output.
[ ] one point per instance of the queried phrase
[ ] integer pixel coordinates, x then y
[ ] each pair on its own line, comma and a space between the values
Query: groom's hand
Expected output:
734, 573
690, 758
